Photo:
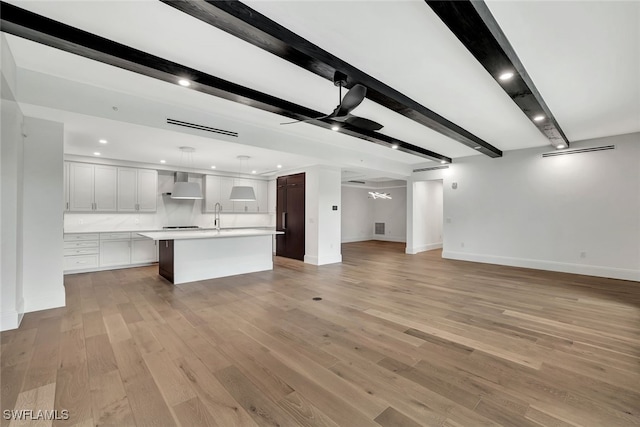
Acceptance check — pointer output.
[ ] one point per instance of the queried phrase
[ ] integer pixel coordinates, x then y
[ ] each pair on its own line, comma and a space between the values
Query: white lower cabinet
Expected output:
102, 251
143, 251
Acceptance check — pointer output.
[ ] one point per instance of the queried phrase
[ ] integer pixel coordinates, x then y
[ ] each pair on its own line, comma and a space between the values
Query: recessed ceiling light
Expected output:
96, 154
538, 118
443, 161
184, 82
394, 146
335, 127
477, 147
505, 76
279, 166
253, 171
163, 161
213, 167
559, 147
103, 141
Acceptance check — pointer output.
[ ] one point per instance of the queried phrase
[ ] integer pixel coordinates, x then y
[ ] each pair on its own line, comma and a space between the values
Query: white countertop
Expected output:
155, 229
207, 234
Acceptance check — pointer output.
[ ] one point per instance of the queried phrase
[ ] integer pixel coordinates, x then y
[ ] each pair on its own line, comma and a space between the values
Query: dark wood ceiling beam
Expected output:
474, 25
28, 25
249, 25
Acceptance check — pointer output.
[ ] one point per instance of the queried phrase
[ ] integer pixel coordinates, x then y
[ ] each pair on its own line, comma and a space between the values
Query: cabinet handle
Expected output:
284, 220
67, 205
166, 243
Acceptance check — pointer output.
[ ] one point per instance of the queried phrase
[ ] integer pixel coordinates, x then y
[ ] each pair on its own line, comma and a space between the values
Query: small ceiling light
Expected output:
254, 171
213, 167
163, 161
506, 76
335, 127
560, 147
279, 166
184, 82
443, 161
538, 118
103, 141
394, 147
96, 154
477, 147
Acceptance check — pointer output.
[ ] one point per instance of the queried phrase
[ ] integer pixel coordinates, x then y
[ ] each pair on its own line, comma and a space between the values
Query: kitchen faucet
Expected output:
216, 215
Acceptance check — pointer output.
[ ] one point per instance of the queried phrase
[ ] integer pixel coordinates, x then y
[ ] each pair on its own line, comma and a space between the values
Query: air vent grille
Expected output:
357, 182
379, 228
431, 169
579, 151
202, 127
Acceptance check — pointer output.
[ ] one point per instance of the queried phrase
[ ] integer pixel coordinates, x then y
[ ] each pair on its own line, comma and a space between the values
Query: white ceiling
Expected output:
584, 57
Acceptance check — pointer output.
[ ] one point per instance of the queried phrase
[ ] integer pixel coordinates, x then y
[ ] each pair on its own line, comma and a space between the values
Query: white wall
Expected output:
11, 164
322, 228
529, 211
360, 213
426, 220
357, 215
169, 212
42, 216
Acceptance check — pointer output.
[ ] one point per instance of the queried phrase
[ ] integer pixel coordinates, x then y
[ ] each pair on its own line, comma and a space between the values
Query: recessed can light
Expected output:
184, 82
394, 147
335, 127
538, 118
213, 167
103, 141
96, 154
279, 166
506, 76
163, 161
254, 171
477, 147
561, 146
443, 161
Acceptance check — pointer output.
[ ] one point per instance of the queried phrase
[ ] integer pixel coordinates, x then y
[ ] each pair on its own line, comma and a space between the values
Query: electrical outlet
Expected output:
137, 221
583, 254
81, 221
448, 220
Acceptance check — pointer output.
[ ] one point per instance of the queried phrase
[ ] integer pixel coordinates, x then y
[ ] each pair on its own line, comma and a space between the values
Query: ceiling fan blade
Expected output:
307, 120
362, 123
351, 100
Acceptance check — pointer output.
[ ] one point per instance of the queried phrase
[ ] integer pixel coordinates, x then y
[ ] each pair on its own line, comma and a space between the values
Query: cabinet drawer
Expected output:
115, 236
81, 251
80, 236
80, 262
81, 244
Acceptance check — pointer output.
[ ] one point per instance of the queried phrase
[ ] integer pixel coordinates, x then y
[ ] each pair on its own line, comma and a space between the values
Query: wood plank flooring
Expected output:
397, 340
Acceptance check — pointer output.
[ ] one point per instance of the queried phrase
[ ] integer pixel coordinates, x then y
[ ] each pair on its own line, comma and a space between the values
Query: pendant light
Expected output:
242, 193
182, 188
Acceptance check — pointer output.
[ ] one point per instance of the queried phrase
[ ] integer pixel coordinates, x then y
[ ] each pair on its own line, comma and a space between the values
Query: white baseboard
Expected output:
332, 259
9, 320
400, 239
588, 270
356, 239
46, 303
423, 248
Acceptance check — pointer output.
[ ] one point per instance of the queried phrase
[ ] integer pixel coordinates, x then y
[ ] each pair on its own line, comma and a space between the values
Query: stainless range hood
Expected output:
185, 190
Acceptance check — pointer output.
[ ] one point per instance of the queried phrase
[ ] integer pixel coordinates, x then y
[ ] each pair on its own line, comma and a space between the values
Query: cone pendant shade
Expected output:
242, 194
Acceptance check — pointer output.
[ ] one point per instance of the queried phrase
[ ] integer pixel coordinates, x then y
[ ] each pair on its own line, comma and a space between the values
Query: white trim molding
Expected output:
423, 248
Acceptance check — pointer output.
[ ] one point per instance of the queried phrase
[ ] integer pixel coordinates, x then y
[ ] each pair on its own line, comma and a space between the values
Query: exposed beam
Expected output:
474, 25
249, 25
28, 25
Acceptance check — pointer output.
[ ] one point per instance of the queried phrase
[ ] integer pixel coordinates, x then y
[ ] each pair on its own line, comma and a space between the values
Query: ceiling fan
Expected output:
342, 113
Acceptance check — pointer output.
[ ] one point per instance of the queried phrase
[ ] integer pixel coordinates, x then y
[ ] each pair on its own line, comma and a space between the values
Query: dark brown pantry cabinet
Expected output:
290, 216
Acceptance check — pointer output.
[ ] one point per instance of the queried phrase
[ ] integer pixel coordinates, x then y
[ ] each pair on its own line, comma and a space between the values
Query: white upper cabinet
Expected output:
105, 188
211, 191
100, 188
262, 196
137, 190
147, 190
127, 189
226, 184
66, 186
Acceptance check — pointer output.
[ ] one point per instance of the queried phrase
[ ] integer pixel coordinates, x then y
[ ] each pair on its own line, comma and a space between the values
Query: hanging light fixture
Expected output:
377, 195
182, 188
242, 193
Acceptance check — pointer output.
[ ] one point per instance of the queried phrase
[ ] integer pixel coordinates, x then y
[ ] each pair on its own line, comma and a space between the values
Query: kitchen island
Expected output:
192, 255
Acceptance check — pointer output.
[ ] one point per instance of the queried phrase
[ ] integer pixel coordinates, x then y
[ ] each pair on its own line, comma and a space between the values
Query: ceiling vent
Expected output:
202, 127
579, 151
357, 182
431, 169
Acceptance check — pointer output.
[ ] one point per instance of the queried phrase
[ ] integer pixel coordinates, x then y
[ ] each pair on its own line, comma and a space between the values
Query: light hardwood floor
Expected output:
397, 340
